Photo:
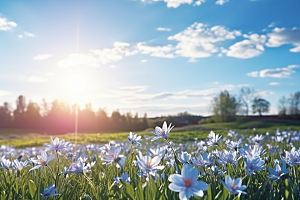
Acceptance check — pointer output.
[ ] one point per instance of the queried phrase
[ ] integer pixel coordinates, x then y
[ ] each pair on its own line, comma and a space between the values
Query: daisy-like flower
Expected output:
257, 139
57, 145
134, 138
19, 165
42, 160
228, 157
158, 151
80, 167
125, 177
147, 164
213, 139
251, 151
162, 132
184, 157
114, 156
233, 144
234, 186
231, 133
253, 164
186, 183
201, 161
5, 163
294, 158
50, 191
278, 172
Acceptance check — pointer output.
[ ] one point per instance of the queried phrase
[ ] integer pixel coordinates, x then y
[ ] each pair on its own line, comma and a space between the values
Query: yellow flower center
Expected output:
43, 162
187, 182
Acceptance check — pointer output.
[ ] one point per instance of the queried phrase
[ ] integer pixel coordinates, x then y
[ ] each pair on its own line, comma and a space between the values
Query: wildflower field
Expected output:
157, 165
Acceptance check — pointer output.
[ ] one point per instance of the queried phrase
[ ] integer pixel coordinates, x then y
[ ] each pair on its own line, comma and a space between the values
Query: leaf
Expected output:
229, 169
32, 188
139, 192
209, 194
129, 189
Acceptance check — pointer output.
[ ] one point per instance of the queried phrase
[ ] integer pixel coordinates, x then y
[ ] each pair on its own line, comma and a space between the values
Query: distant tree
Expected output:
246, 97
5, 116
19, 112
283, 104
225, 107
294, 104
260, 105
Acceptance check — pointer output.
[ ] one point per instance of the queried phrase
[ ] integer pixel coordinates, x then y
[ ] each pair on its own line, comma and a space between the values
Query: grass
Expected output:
30, 138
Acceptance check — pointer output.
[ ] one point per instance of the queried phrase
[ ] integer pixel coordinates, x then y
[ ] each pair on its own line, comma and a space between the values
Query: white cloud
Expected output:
144, 61
26, 34
175, 3
163, 29
249, 48
98, 57
76, 59
128, 90
221, 2
113, 66
37, 79
6, 25
185, 94
156, 51
263, 93
4, 93
200, 41
42, 56
284, 72
281, 36
199, 2
50, 74
273, 83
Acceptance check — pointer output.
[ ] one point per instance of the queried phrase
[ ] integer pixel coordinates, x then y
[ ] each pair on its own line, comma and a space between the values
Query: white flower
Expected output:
114, 156
134, 138
213, 139
42, 160
148, 164
234, 186
162, 132
57, 145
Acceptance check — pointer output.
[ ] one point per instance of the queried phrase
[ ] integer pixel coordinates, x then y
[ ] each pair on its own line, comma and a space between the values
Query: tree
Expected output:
260, 105
283, 106
246, 97
294, 104
225, 107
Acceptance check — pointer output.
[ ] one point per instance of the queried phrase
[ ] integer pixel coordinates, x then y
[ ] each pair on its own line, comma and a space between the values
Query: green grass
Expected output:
27, 138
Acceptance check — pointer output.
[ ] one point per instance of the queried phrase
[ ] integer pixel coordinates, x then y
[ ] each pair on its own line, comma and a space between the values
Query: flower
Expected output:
278, 172
5, 163
233, 144
57, 145
50, 191
201, 161
186, 183
253, 164
184, 157
134, 139
148, 164
79, 167
125, 177
113, 156
162, 132
213, 139
42, 160
159, 151
257, 139
234, 186
228, 157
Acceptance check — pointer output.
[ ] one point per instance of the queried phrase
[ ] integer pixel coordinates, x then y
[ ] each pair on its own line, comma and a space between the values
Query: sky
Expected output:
158, 57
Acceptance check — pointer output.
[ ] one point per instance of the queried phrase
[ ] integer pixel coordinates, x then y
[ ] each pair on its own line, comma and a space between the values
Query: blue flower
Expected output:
147, 164
186, 183
50, 191
234, 186
278, 172
257, 139
114, 156
253, 164
201, 161
162, 132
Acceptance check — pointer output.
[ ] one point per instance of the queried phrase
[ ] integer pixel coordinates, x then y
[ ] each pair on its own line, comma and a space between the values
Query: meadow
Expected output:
255, 160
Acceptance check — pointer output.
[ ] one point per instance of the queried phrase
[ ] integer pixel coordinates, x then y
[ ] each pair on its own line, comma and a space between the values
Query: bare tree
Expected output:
294, 104
283, 106
246, 97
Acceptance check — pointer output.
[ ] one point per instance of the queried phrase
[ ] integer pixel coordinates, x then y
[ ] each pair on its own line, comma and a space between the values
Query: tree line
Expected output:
225, 106
60, 117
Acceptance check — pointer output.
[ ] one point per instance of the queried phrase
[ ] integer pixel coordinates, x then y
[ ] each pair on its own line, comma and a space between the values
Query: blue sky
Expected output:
148, 56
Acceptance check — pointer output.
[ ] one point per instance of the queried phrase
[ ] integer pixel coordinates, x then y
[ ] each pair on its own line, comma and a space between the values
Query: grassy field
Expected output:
28, 138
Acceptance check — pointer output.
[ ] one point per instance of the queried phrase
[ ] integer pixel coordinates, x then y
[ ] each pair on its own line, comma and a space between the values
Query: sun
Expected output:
76, 87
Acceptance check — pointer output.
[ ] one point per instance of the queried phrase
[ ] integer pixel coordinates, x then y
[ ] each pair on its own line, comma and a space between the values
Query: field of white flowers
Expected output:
231, 166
